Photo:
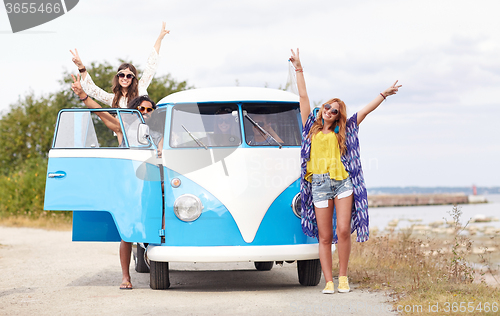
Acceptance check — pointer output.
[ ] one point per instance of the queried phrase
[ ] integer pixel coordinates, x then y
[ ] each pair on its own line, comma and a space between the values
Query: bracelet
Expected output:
299, 70
82, 70
383, 96
84, 98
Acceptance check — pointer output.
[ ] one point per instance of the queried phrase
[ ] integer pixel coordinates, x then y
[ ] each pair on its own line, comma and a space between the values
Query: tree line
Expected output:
27, 131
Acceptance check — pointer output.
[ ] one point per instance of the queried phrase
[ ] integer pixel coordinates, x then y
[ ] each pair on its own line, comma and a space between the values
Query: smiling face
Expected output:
330, 112
125, 77
224, 122
146, 108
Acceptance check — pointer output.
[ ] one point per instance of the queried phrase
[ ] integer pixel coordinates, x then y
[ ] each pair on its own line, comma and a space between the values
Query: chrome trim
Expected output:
296, 202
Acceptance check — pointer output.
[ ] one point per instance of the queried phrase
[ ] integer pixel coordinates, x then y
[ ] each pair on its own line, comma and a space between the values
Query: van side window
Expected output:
156, 125
83, 129
210, 125
277, 123
131, 121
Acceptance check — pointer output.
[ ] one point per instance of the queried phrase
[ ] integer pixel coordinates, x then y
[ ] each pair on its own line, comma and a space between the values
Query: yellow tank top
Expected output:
325, 157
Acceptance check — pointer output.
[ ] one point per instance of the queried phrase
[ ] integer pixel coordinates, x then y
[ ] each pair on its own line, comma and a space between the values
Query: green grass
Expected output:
46, 220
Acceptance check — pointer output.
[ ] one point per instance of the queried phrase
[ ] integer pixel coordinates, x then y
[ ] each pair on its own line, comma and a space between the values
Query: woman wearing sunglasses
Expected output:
141, 103
331, 177
226, 128
126, 84
146, 107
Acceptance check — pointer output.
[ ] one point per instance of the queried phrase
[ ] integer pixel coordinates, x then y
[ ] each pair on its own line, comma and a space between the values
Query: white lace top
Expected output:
97, 93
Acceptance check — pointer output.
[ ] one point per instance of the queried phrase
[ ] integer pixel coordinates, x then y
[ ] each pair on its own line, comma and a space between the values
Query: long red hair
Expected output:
341, 122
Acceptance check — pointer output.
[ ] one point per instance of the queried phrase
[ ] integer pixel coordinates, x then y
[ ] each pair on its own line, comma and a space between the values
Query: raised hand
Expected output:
76, 59
77, 87
295, 59
392, 89
163, 32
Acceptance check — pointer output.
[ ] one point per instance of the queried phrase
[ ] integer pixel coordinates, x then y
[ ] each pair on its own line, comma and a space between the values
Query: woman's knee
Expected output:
344, 232
325, 238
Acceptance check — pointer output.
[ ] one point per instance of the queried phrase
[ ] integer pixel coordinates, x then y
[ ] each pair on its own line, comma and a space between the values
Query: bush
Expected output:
22, 193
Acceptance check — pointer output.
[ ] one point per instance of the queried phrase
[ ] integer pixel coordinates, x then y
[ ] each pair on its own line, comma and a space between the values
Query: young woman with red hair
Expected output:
332, 178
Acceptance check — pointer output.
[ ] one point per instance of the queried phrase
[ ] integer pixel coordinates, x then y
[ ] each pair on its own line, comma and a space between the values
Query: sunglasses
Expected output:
142, 108
122, 75
329, 107
226, 120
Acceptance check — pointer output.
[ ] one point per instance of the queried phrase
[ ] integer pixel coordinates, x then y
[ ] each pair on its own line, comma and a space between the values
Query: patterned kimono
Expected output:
352, 164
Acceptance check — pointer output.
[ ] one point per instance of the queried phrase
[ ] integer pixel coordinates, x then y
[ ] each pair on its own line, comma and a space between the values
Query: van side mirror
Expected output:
143, 134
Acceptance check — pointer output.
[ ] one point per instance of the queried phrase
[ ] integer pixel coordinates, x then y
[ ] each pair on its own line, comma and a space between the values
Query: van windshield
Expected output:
278, 124
199, 125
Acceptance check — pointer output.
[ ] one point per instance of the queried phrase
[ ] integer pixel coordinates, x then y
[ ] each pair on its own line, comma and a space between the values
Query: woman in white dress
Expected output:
126, 85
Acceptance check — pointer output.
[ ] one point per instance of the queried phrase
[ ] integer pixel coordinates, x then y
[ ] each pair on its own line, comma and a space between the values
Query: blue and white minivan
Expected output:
212, 176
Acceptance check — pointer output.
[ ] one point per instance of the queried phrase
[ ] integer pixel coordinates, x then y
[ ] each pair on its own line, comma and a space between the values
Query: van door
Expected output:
111, 182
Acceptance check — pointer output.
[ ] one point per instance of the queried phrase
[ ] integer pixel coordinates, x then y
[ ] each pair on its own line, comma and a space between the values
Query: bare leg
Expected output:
324, 218
343, 210
125, 254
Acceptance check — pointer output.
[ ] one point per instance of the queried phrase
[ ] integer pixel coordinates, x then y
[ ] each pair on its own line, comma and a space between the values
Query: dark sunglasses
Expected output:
226, 120
142, 108
329, 107
122, 75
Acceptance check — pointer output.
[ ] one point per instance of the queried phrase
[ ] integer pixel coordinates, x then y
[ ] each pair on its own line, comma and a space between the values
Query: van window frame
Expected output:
116, 111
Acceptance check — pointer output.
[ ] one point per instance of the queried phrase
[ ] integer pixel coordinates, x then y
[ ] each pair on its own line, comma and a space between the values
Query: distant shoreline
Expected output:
480, 190
388, 200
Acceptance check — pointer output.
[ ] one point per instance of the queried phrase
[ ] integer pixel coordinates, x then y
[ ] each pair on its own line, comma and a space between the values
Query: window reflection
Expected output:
278, 124
210, 125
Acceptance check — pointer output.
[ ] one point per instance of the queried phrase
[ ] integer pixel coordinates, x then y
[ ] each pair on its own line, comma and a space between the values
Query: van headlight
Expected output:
296, 205
188, 207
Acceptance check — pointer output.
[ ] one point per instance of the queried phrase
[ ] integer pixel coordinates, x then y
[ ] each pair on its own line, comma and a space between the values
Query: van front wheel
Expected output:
264, 266
141, 265
159, 275
309, 272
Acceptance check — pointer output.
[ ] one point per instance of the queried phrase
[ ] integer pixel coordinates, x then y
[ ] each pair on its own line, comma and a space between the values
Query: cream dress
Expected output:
99, 94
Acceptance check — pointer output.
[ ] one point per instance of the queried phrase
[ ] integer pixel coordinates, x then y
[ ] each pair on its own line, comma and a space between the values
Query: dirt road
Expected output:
45, 273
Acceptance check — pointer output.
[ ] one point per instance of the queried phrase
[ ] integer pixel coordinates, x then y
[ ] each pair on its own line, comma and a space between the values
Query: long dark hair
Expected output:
133, 89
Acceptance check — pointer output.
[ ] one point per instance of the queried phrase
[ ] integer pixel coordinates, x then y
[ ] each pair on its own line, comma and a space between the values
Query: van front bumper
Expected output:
233, 253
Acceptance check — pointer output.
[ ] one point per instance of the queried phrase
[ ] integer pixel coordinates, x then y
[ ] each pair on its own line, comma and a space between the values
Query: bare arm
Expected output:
151, 64
159, 147
305, 105
88, 84
163, 32
109, 120
377, 101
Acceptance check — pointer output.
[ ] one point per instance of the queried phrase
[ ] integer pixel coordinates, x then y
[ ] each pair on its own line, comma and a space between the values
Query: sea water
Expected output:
424, 215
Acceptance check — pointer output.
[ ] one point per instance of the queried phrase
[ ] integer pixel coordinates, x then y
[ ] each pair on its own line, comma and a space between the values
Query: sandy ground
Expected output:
45, 273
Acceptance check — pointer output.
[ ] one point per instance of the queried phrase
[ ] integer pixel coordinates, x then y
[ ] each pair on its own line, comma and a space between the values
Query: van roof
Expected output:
229, 94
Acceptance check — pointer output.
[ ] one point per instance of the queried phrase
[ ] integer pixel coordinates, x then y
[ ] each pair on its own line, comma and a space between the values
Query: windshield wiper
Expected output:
195, 138
260, 128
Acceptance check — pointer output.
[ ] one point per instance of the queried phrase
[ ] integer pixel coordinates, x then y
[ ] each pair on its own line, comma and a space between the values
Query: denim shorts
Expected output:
324, 188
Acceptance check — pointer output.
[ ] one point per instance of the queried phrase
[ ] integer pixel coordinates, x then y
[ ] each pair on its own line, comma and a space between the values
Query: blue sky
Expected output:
441, 128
